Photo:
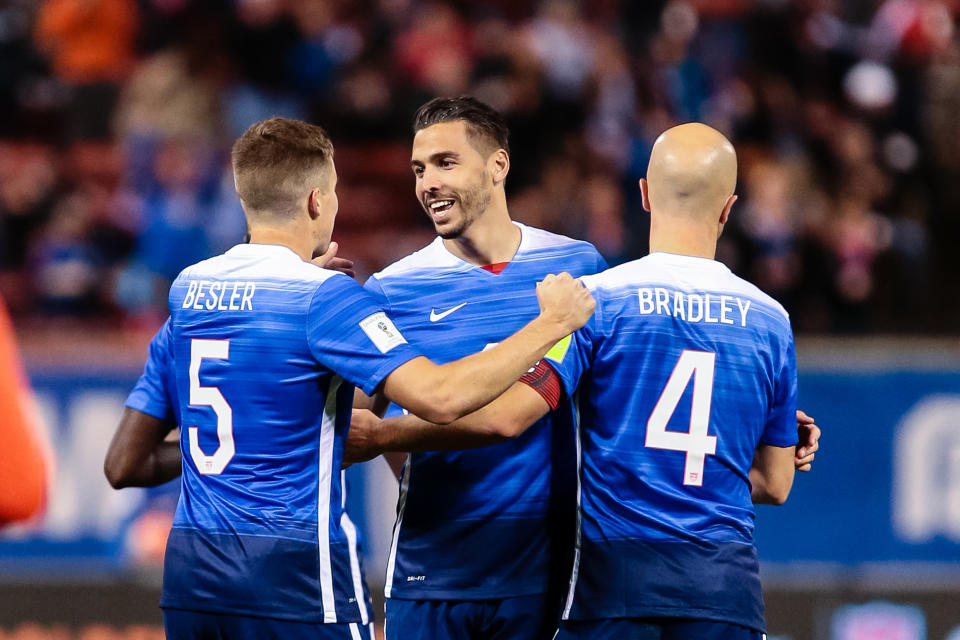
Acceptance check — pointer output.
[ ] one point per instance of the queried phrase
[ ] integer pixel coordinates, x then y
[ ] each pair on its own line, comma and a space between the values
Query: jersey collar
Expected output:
257, 249
680, 260
521, 248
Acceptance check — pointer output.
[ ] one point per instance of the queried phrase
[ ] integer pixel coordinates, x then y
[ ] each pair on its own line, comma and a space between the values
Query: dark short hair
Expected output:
485, 126
276, 163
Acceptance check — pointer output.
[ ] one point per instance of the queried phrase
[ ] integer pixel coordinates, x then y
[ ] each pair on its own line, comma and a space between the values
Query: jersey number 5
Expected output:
210, 397
696, 443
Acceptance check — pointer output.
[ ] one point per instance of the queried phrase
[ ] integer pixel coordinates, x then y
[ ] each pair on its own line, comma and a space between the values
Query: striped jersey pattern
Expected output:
480, 523
257, 364
683, 371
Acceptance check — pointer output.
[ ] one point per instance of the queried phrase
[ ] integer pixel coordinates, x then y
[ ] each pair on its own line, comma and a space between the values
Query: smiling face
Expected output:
453, 182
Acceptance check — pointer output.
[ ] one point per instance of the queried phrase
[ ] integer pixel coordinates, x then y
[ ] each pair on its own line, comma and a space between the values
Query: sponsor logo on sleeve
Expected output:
382, 332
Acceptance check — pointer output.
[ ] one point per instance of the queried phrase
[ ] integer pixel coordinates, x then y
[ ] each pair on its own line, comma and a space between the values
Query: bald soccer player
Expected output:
687, 396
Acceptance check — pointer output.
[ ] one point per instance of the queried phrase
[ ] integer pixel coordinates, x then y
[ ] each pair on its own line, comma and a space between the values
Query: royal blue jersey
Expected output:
478, 524
257, 364
683, 369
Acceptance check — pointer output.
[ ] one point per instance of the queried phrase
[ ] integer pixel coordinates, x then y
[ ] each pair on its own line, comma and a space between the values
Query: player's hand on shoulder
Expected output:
361, 439
564, 300
329, 260
808, 436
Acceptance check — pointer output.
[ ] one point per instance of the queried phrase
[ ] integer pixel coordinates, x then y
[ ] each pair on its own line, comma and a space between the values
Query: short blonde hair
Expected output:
277, 162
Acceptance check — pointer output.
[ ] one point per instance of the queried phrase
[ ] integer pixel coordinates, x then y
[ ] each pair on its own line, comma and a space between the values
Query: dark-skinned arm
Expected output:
139, 454
506, 417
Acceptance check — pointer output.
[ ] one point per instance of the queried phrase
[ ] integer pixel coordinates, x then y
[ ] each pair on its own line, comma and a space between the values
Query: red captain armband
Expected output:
544, 380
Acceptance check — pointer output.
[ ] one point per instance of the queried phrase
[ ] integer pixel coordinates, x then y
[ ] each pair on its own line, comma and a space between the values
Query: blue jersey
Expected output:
683, 370
477, 524
257, 364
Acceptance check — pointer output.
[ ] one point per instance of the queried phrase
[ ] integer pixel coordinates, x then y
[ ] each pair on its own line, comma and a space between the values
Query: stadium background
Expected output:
116, 118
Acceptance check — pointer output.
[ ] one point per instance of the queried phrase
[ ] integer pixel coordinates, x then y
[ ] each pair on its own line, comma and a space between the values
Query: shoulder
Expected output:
752, 291
541, 240
657, 271
278, 267
622, 275
429, 257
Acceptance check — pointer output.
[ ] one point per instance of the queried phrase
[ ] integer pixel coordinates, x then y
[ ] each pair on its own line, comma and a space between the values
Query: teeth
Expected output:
438, 204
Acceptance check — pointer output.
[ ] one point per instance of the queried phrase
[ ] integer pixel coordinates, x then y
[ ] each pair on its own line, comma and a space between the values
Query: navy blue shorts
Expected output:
198, 625
520, 618
654, 629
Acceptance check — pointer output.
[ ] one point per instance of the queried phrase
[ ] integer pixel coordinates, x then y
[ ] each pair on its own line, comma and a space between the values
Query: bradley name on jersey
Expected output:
693, 307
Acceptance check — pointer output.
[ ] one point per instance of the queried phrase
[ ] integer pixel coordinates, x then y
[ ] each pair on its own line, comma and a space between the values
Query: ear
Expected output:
645, 194
725, 213
499, 165
313, 204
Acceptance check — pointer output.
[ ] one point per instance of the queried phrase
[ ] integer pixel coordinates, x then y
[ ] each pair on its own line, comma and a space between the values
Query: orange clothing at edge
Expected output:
23, 482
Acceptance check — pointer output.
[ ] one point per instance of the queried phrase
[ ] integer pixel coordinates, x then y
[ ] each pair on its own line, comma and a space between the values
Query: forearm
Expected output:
758, 488
411, 433
462, 387
161, 465
771, 476
506, 417
140, 454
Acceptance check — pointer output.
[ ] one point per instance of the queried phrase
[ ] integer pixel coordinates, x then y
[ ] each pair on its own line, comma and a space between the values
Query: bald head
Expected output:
692, 172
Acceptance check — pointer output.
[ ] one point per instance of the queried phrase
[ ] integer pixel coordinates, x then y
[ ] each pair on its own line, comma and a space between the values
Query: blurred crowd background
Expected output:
117, 116
116, 122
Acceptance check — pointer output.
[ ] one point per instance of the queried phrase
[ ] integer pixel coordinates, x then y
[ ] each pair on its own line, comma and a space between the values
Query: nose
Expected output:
431, 181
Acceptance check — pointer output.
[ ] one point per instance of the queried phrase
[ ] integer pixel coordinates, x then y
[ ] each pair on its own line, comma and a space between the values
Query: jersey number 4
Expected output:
696, 443
210, 397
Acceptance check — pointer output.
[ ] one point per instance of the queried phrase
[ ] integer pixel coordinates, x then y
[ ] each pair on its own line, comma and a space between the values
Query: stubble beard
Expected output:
473, 202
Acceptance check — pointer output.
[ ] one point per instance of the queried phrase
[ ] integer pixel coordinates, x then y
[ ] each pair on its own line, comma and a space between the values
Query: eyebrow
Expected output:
436, 156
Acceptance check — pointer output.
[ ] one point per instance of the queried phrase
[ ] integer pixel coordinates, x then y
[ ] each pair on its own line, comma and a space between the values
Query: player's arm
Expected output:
771, 476
506, 417
377, 403
443, 393
774, 463
376, 406
139, 454
808, 442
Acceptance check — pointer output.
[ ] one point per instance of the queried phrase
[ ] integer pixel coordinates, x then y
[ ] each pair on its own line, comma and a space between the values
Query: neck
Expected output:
490, 239
687, 237
300, 242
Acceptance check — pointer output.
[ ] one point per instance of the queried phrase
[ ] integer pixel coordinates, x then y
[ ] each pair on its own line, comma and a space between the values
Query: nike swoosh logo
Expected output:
434, 316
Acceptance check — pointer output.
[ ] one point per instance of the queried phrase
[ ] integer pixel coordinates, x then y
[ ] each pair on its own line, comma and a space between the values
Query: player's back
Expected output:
479, 524
692, 368
258, 529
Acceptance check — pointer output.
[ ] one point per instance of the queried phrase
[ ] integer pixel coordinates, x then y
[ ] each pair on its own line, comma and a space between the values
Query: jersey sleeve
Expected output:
781, 427
601, 263
374, 287
154, 391
571, 357
350, 334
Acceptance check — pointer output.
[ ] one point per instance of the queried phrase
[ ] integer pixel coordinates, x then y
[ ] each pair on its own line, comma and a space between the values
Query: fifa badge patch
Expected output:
382, 332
